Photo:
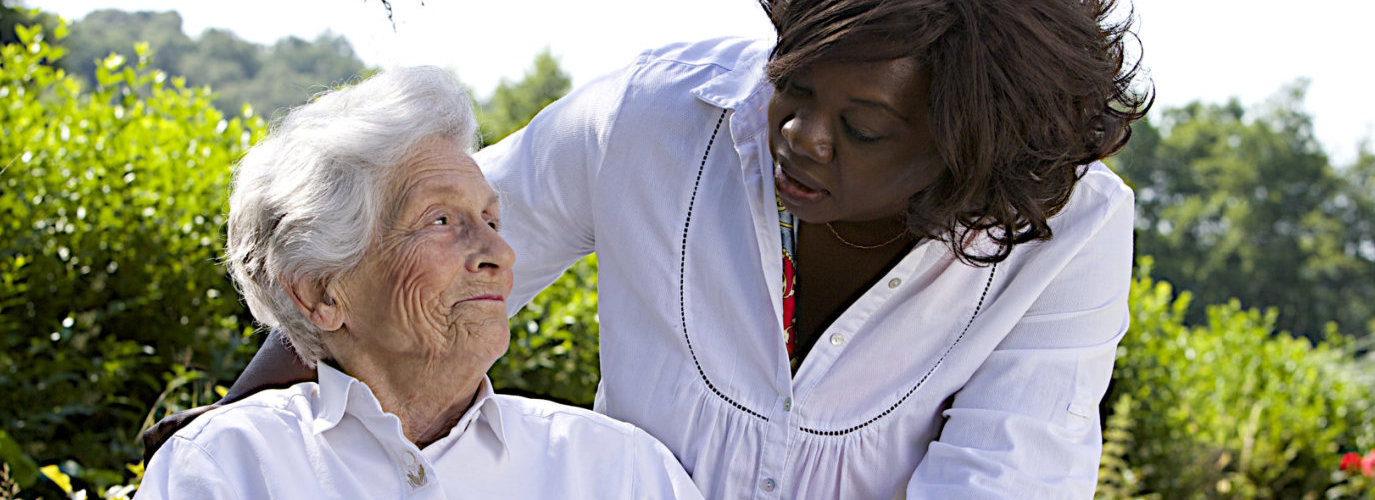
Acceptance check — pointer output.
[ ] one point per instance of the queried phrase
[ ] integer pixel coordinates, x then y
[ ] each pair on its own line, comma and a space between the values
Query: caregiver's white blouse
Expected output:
943, 380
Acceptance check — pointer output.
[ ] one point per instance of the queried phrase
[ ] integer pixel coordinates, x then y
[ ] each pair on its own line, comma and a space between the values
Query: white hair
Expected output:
308, 199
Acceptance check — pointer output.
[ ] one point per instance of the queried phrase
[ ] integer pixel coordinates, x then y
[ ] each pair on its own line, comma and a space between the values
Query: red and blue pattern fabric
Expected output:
787, 226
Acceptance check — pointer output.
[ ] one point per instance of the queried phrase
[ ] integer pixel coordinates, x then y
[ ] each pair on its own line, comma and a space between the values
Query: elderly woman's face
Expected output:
435, 281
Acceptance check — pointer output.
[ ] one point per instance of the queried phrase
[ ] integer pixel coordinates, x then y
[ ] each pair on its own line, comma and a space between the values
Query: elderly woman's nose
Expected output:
808, 136
492, 254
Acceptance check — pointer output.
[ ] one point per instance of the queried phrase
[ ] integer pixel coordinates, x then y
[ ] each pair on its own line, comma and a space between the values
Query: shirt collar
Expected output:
734, 85
340, 392
335, 388
485, 409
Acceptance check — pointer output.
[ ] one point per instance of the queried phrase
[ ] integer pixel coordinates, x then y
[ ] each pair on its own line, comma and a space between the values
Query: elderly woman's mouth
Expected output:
491, 297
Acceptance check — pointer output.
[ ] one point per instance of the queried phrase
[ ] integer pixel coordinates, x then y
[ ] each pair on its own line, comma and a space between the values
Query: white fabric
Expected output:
903, 393
332, 440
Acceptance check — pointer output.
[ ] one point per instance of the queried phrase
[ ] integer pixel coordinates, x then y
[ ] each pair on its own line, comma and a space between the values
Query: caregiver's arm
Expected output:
273, 366
547, 175
1026, 424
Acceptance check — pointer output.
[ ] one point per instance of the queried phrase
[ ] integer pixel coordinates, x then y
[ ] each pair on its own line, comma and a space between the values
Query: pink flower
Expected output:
1368, 464
1350, 461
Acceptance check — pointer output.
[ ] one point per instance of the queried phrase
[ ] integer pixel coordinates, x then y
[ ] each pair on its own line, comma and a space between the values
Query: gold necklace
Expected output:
848, 243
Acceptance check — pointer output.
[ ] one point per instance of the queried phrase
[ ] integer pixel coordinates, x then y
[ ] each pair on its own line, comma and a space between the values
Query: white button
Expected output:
893, 283
837, 340
788, 404
769, 485
409, 458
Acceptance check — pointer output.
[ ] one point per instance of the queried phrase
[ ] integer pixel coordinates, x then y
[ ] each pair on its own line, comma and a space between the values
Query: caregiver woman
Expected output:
877, 257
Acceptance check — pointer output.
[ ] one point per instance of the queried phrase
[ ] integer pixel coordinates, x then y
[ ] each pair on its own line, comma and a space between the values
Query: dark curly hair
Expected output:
1023, 94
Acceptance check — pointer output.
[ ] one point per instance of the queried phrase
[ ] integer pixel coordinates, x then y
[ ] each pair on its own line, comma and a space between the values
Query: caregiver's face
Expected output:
852, 141
435, 281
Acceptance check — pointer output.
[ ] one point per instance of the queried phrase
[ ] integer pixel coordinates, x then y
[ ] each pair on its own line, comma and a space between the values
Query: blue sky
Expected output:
1196, 50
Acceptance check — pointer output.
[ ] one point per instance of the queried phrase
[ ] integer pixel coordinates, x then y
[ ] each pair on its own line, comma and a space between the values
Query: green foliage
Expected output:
111, 211
242, 73
106, 31
513, 104
289, 73
13, 14
1243, 203
1116, 477
1228, 409
553, 349
25, 470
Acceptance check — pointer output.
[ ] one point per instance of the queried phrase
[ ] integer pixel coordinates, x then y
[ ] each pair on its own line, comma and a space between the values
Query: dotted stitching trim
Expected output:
682, 272
895, 406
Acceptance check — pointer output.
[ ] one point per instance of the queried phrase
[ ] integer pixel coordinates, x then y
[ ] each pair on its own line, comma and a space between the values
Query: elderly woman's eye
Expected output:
440, 221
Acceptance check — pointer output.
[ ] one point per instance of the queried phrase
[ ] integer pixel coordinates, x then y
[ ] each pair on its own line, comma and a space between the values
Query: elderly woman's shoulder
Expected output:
568, 431
543, 412
552, 423
264, 416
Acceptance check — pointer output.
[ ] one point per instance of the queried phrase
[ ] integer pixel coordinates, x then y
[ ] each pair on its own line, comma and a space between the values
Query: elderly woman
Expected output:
362, 230
874, 257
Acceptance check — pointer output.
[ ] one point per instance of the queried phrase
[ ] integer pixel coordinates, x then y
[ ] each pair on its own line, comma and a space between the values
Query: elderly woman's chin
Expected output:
482, 339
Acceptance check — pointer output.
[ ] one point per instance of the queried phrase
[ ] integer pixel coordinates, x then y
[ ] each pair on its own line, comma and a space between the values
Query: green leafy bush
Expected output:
553, 349
1230, 408
112, 204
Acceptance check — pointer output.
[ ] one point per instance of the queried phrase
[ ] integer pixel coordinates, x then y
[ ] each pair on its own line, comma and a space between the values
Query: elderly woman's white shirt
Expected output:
943, 380
332, 440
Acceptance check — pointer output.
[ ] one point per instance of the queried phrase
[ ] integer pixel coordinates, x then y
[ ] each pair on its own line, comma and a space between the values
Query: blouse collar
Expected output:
341, 394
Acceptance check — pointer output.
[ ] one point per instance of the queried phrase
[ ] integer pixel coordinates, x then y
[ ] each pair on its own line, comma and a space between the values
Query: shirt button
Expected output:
788, 404
417, 478
837, 340
893, 283
769, 484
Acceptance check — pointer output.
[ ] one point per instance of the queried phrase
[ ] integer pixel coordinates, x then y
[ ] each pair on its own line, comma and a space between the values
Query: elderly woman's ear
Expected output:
313, 300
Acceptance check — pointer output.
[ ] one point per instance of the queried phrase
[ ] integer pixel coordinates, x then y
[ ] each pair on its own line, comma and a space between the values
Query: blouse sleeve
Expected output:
545, 175
1026, 424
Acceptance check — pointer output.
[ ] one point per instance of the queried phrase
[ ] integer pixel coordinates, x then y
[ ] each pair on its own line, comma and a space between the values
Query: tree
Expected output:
268, 78
13, 14
226, 63
107, 31
513, 104
1243, 203
293, 70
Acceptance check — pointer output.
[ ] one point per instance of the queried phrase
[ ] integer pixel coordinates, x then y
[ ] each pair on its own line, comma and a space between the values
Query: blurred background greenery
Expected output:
1247, 372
